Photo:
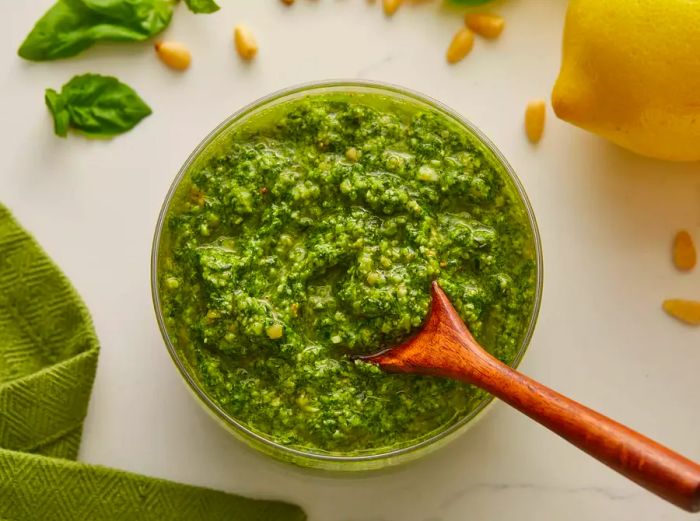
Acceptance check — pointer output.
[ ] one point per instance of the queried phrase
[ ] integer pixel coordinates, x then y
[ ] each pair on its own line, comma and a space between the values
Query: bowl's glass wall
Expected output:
219, 137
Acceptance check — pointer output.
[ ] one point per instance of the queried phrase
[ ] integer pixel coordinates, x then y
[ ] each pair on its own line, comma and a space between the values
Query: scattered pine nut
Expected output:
174, 55
461, 45
687, 311
391, 6
534, 120
684, 255
288, 2
245, 43
486, 25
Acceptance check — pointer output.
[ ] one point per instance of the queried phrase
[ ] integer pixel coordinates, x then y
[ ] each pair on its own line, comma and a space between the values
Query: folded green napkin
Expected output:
48, 356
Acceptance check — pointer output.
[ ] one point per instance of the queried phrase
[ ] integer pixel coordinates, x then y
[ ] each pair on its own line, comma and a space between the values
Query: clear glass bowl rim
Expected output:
261, 103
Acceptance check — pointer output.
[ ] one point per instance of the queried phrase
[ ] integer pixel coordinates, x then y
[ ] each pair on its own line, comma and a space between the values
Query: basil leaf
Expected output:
98, 106
71, 26
202, 6
147, 17
57, 106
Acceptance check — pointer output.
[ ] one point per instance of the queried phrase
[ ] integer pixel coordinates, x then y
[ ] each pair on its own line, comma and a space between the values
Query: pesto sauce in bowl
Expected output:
312, 230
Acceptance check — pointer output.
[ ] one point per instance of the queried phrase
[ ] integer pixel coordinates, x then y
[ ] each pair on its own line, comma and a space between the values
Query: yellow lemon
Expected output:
631, 73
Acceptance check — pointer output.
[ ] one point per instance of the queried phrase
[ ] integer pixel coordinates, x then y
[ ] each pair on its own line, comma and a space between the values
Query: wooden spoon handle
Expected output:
651, 465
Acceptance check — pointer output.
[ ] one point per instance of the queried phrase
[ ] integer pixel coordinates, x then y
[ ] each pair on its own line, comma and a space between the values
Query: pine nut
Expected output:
461, 45
534, 120
391, 6
288, 2
174, 55
486, 25
684, 255
687, 311
275, 331
245, 43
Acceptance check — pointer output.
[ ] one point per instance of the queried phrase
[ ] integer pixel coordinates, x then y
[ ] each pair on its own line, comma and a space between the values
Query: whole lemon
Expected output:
631, 73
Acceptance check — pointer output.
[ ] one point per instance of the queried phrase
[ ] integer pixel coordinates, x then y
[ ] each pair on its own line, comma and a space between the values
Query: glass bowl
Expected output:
317, 460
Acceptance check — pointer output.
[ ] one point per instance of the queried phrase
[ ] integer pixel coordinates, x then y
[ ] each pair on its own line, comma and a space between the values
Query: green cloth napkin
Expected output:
48, 357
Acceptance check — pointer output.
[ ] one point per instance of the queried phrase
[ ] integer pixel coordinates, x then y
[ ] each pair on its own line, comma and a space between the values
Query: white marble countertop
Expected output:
606, 217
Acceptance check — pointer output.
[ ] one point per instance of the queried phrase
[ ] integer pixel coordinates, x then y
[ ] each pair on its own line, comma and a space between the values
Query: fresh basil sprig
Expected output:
71, 26
98, 106
202, 6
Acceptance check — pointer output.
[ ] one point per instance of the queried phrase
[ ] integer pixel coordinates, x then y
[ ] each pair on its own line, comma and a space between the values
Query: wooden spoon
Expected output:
445, 347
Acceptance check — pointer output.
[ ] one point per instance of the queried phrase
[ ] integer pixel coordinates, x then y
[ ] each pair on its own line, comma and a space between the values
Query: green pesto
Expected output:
313, 232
